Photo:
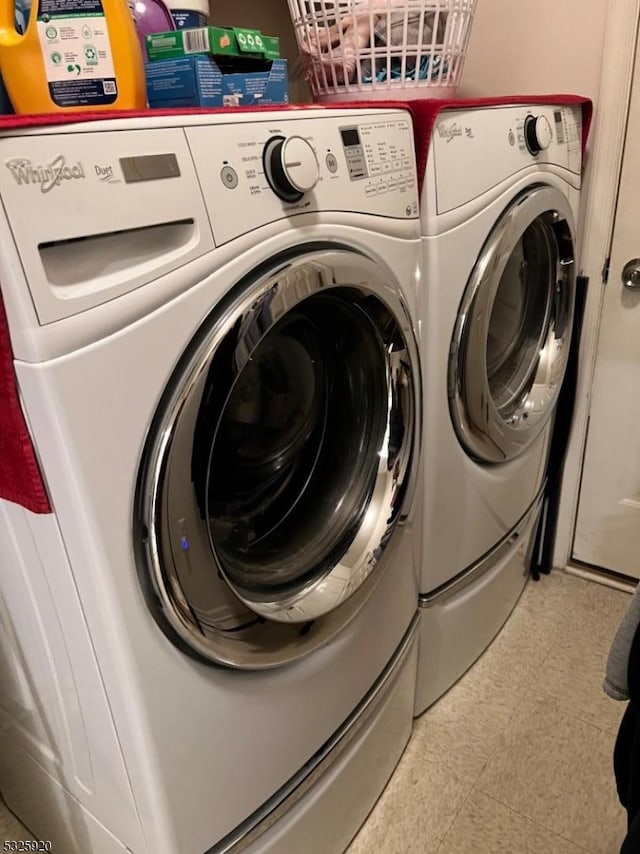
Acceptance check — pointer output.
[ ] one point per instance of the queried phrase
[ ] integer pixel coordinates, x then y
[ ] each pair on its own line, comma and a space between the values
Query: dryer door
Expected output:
281, 461
511, 341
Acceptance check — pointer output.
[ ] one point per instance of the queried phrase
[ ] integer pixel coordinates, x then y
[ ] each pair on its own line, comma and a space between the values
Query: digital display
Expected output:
149, 167
350, 137
557, 117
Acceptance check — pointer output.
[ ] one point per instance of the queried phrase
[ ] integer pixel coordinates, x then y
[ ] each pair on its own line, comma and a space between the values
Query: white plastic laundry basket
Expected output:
376, 49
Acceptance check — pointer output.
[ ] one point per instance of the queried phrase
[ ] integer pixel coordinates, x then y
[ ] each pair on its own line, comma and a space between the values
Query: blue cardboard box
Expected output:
199, 81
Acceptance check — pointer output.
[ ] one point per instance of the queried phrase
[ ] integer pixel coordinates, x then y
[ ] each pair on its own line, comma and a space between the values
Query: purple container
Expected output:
151, 16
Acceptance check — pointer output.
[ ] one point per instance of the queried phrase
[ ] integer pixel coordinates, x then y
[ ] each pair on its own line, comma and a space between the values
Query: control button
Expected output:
291, 167
406, 163
386, 166
371, 190
376, 169
393, 185
332, 163
537, 133
229, 177
382, 187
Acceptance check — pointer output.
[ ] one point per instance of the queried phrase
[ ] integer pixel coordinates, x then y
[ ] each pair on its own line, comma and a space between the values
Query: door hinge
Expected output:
605, 270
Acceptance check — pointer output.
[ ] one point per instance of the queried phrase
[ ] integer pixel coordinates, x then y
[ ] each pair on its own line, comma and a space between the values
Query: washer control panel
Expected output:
281, 167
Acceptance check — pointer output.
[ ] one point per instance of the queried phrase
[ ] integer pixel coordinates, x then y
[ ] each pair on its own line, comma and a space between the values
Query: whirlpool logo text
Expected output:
48, 176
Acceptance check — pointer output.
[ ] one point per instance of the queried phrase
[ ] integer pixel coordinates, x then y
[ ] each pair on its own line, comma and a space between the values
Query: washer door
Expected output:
511, 341
281, 460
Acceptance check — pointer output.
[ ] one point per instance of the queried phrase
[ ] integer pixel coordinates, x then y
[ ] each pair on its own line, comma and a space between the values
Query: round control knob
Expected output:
537, 133
291, 167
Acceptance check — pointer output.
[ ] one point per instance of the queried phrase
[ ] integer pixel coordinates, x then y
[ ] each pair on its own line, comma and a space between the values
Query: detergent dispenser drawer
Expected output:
96, 215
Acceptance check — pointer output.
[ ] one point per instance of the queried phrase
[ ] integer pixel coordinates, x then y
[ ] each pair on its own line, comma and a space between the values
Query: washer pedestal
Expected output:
459, 620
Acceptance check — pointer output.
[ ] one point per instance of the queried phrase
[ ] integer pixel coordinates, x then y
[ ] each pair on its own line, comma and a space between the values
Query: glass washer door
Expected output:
511, 342
281, 461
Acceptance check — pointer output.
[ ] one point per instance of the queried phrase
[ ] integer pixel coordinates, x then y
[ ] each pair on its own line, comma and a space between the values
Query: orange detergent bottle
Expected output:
75, 55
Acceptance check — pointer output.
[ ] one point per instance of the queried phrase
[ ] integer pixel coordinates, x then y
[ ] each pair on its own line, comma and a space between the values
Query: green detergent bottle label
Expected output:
77, 53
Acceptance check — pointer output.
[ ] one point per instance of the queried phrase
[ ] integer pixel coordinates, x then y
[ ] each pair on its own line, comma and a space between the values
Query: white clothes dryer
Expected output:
210, 644
499, 206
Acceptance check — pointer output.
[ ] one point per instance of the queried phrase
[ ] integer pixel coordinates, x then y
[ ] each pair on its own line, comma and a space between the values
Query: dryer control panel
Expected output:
474, 150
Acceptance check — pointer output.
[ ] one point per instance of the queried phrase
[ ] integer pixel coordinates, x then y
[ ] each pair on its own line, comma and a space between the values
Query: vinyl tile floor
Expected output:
517, 757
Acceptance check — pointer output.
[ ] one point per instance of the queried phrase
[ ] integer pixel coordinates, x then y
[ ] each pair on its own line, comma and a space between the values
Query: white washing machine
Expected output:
210, 644
499, 206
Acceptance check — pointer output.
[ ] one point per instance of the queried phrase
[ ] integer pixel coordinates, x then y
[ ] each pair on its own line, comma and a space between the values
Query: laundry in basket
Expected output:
371, 48
396, 30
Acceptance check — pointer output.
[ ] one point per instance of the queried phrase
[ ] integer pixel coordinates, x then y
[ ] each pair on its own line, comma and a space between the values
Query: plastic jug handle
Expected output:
8, 34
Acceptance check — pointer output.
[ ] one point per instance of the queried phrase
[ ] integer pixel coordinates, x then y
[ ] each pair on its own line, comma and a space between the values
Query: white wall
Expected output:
526, 47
